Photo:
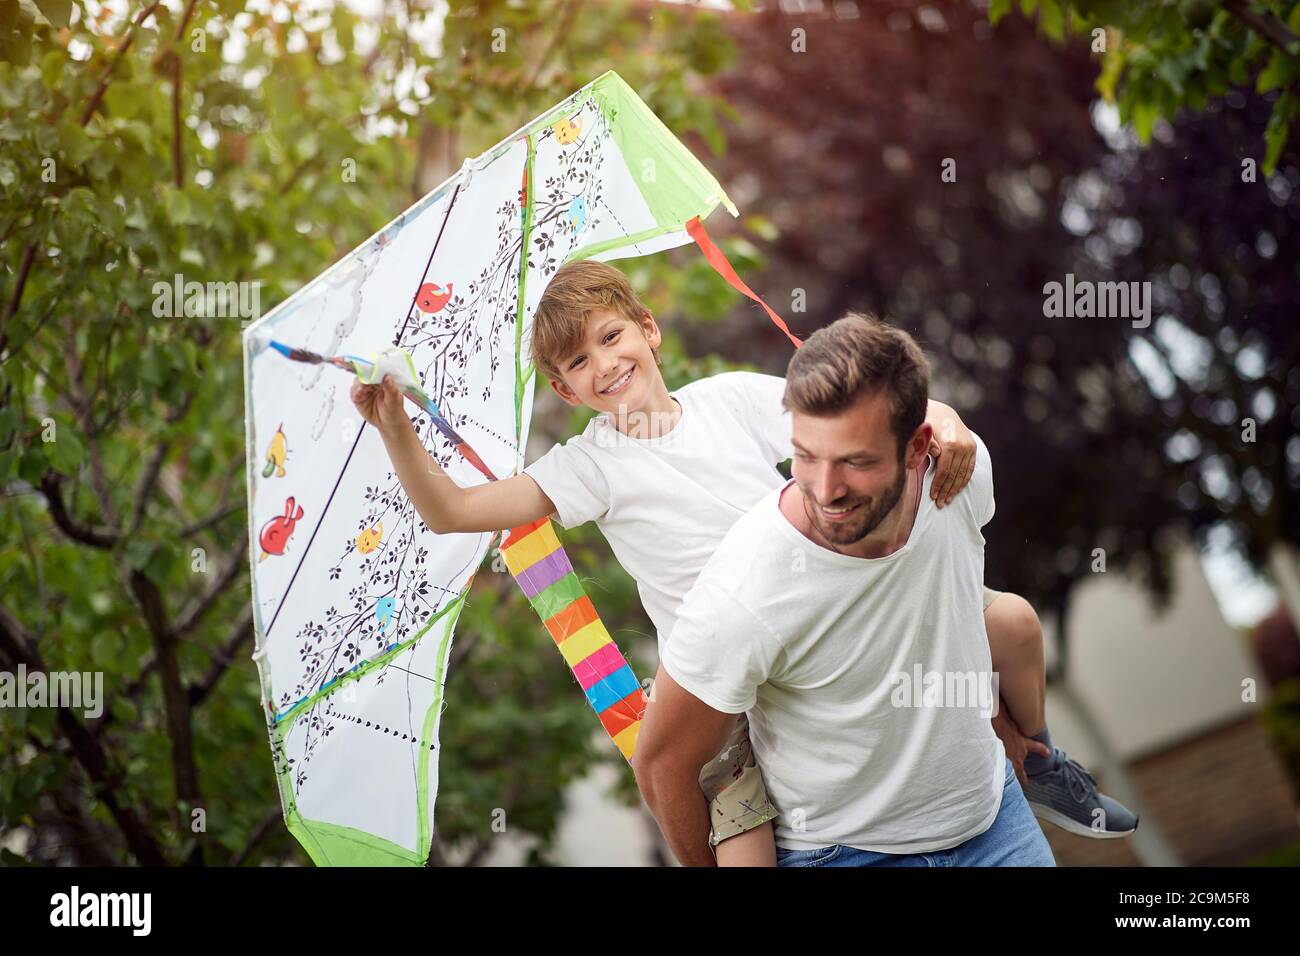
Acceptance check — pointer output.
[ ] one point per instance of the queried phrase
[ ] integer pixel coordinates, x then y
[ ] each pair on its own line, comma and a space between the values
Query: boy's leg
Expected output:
756, 847
1016, 645
1058, 789
740, 814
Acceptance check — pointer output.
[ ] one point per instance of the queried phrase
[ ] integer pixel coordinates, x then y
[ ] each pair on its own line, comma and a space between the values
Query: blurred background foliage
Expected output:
1159, 58
233, 141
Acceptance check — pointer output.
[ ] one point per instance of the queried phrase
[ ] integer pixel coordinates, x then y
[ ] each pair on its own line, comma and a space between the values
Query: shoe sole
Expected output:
1075, 827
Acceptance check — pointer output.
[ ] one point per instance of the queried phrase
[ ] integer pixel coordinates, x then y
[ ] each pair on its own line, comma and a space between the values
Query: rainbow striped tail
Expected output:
534, 556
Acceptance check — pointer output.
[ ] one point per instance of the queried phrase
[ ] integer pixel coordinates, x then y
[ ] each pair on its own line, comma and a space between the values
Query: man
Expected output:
811, 615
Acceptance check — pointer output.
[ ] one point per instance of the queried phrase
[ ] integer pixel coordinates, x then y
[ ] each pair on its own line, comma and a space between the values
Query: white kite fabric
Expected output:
354, 599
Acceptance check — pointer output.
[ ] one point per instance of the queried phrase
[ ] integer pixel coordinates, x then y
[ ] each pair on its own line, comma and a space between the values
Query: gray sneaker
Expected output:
1067, 796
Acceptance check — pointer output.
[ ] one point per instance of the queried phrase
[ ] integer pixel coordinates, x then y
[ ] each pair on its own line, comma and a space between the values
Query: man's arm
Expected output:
680, 735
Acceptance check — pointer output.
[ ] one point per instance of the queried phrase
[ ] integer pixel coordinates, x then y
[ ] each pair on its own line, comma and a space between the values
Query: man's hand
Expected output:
1017, 745
679, 735
380, 405
953, 448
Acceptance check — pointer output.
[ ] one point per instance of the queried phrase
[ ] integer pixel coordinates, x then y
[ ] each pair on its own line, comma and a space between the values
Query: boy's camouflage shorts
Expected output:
733, 784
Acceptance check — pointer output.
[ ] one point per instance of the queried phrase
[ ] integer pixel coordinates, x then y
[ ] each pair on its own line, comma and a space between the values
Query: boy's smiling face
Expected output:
615, 370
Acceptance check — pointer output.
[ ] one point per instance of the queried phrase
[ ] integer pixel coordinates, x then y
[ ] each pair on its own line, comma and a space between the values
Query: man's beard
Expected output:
865, 520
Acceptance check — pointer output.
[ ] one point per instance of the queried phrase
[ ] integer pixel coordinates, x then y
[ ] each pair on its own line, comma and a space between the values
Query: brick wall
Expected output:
1221, 799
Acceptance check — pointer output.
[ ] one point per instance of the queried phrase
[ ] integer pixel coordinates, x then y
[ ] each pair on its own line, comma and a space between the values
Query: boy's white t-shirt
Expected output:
664, 504
823, 649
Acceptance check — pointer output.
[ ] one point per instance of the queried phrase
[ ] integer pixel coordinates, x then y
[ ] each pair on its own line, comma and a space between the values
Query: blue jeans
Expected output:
1014, 839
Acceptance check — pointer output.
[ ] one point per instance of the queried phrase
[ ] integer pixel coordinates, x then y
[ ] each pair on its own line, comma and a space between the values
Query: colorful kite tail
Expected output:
534, 556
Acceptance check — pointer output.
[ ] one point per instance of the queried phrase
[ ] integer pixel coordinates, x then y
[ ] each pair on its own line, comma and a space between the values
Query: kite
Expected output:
354, 599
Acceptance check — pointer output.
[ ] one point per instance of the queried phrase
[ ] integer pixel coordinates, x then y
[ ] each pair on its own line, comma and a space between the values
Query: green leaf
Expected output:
1172, 70
1051, 19
1112, 67
77, 146
123, 100
66, 452
1237, 72
1145, 115
16, 46
1275, 135
125, 711
137, 131
136, 219
1198, 13
998, 9
160, 563
139, 552
11, 94
1277, 74
57, 12
178, 207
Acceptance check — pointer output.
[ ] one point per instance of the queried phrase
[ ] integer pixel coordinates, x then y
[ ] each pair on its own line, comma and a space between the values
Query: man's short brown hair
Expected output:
855, 356
577, 290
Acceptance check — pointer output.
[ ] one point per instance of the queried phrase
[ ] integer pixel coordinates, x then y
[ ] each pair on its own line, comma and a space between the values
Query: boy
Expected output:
665, 475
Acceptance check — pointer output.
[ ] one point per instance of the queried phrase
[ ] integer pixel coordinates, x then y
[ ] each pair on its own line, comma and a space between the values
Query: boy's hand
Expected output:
953, 447
380, 405
1016, 744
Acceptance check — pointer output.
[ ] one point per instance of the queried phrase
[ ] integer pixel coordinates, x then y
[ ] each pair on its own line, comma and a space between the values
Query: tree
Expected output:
1159, 58
205, 140
1174, 61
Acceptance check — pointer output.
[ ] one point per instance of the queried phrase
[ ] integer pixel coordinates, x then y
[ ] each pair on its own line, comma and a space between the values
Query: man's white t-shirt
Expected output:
820, 648
664, 504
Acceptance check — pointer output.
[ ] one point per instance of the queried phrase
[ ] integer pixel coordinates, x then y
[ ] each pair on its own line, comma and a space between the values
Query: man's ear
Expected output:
919, 446
567, 395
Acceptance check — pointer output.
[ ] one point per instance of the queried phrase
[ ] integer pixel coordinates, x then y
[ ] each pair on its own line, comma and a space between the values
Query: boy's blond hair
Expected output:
578, 289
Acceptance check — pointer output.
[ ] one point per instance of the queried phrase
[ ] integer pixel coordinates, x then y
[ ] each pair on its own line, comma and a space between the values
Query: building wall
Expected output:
1165, 691
1151, 677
